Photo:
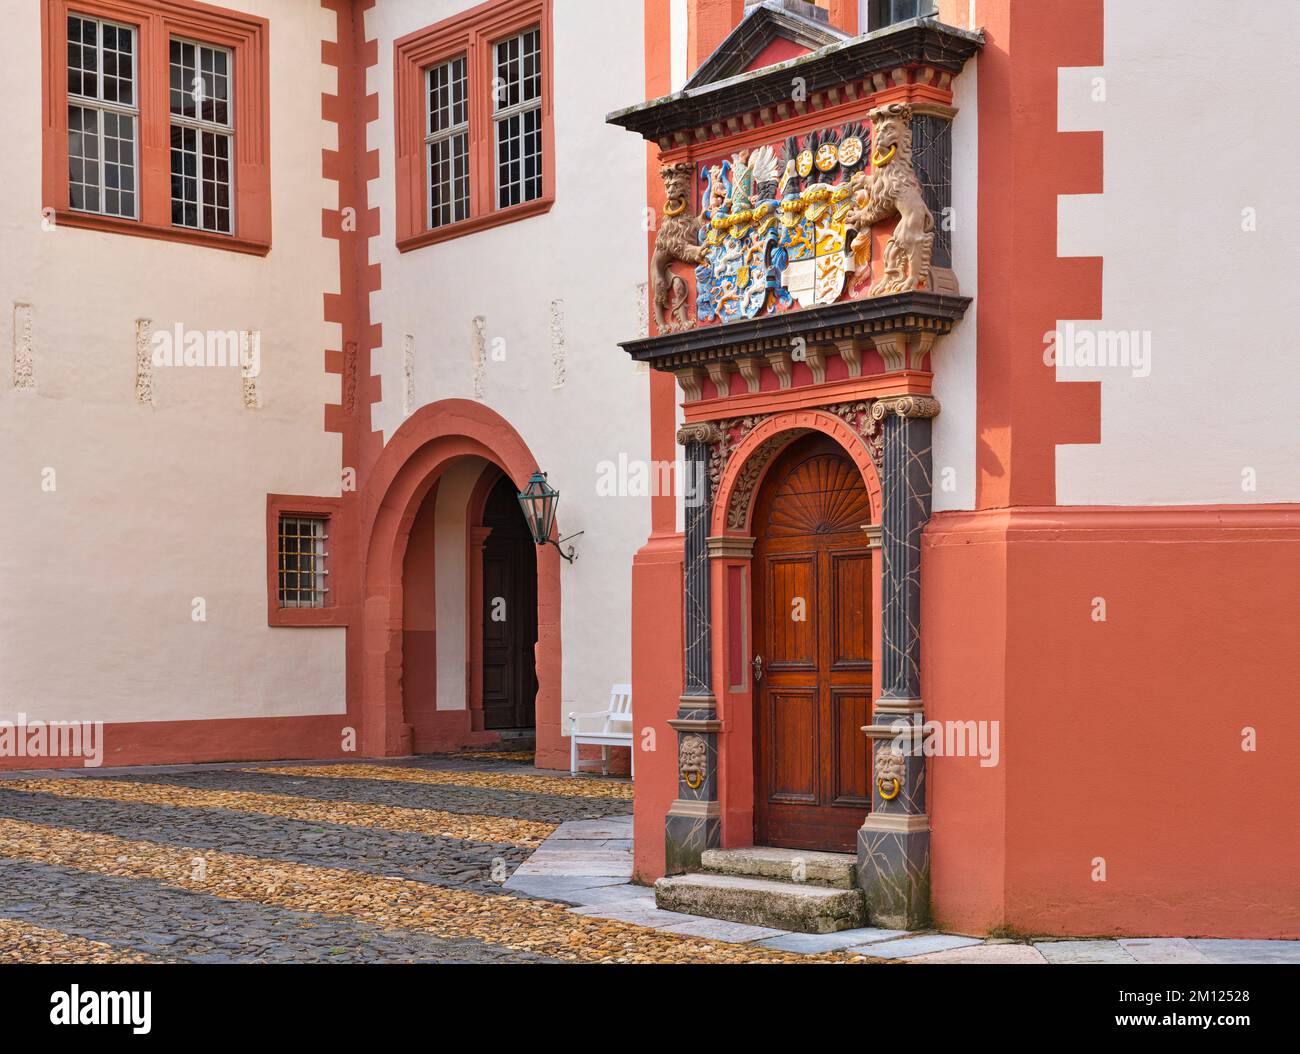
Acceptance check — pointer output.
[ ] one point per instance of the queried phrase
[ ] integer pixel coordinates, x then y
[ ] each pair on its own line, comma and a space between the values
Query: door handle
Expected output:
757, 663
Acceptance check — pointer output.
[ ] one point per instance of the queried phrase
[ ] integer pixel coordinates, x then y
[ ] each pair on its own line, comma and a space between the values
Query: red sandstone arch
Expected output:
425, 445
794, 423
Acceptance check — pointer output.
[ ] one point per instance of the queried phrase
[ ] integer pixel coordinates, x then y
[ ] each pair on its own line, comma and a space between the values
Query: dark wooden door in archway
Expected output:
509, 613
812, 629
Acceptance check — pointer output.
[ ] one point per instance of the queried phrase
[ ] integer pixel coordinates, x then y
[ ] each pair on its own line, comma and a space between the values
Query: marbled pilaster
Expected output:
693, 823
894, 842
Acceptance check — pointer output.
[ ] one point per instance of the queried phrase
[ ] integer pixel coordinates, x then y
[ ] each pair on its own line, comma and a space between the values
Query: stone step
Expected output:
837, 870
762, 902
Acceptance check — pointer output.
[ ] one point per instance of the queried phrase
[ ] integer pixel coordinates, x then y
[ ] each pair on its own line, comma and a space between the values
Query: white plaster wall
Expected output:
589, 252
953, 363
450, 529
1198, 122
155, 506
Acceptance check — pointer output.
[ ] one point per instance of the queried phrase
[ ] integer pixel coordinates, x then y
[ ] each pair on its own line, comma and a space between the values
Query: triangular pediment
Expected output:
772, 31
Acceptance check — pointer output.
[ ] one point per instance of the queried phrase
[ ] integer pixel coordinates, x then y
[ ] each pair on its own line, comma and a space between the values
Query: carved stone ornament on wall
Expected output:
730, 432
785, 226
889, 769
692, 760
905, 406
675, 241
891, 188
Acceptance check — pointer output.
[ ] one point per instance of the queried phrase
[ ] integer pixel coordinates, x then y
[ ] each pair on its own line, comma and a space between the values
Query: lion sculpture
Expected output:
677, 239
891, 188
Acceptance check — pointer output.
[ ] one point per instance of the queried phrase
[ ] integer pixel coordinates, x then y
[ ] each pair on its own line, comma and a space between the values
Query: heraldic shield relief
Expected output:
777, 230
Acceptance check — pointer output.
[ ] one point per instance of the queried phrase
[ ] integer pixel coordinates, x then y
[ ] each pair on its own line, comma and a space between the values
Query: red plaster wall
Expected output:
657, 648
709, 23
419, 628
780, 50
1121, 739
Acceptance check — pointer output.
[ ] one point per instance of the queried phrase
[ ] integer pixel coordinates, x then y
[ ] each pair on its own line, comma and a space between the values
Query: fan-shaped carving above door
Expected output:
822, 494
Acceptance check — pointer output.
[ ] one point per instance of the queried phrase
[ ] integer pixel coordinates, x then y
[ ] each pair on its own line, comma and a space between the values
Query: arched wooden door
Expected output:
509, 613
812, 630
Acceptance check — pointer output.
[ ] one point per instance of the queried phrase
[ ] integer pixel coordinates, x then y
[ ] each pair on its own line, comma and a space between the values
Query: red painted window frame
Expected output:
156, 21
335, 611
471, 33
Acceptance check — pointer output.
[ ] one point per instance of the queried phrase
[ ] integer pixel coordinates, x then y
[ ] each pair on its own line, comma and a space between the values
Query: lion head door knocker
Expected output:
677, 240
889, 772
692, 758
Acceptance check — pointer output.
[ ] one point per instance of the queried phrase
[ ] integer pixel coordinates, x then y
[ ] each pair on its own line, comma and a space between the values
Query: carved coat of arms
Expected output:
771, 234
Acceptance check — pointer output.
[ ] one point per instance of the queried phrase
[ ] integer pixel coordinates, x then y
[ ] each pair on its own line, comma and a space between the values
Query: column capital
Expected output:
905, 406
705, 432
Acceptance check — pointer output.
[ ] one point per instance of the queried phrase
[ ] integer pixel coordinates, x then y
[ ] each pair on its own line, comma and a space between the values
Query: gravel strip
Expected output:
563, 786
490, 829
25, 942
478, 801
145, 920
374, 850
535, 926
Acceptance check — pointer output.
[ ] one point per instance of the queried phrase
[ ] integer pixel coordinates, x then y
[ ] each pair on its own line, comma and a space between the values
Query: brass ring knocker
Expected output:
893, 793
693, 780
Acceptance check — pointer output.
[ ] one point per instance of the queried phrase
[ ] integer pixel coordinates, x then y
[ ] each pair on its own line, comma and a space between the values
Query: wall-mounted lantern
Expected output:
538, 500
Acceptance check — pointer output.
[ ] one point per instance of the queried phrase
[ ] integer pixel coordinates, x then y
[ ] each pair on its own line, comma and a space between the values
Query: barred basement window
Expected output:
202, 136
302, 561
103, 115
447, 139
517, 117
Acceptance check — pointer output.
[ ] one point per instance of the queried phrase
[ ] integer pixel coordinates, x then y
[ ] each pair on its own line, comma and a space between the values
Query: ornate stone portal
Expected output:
822, 280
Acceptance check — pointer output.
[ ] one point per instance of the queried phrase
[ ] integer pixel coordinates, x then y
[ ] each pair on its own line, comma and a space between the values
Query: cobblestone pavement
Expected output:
467, 858
400, 862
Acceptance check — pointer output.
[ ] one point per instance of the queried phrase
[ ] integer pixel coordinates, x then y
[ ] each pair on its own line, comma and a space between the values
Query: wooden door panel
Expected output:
850, 615
850, 770
792, 592
792, 724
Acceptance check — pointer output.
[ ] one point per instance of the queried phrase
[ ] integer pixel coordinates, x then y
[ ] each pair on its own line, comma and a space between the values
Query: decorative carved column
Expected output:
894, 842
694, 819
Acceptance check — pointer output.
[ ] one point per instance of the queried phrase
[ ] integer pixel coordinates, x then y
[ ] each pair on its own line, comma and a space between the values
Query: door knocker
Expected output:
692, 757
880, 788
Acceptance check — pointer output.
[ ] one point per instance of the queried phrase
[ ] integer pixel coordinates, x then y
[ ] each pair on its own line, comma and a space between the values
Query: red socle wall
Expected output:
1121, 740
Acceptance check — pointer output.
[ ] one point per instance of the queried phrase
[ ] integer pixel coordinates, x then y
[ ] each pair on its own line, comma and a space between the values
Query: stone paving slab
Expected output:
816, 943
1246, 952
605, 828
721, 930
551, 887
1092, 951
986, 954
637, 915
1164, 950
620, 896
922, 944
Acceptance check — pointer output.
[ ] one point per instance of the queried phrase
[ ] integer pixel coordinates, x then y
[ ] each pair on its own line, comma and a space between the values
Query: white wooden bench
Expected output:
616, 730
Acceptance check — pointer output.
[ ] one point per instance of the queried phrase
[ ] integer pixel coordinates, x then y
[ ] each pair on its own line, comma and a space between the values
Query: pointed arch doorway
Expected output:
813, 634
